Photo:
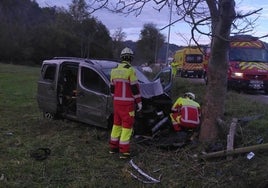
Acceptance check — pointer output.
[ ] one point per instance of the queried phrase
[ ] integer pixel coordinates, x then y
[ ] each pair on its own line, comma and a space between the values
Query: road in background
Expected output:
258, 96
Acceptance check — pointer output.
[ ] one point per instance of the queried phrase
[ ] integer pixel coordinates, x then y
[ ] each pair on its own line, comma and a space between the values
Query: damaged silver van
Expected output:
79, 89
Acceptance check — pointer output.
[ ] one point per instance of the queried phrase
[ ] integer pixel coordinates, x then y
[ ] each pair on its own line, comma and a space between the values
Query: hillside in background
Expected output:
161, 55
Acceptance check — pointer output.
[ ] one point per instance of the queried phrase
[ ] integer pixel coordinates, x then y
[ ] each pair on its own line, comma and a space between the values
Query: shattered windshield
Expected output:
248, 55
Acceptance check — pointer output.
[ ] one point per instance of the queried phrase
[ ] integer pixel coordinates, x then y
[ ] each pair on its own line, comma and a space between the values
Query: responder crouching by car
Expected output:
126, 93
186, 113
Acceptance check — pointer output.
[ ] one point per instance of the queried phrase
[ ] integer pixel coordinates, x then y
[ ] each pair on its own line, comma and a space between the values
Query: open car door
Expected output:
47, 89
165, 76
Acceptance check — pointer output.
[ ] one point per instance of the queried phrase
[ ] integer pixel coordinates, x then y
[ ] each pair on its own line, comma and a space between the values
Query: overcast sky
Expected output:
132, 25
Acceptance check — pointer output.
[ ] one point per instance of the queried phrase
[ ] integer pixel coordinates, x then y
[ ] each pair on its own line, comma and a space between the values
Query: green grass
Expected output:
79, 153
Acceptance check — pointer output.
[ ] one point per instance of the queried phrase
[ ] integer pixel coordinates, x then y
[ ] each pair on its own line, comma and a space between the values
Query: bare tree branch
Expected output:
196, 13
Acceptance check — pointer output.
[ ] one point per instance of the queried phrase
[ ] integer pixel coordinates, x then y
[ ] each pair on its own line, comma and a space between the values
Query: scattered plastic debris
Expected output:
250, 155
260, 140
149, 179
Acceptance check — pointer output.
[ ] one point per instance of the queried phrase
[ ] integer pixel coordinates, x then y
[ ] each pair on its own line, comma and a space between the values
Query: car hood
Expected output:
151, 89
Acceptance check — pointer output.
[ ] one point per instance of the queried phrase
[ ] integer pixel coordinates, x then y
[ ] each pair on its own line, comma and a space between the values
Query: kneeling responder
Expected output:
185, 113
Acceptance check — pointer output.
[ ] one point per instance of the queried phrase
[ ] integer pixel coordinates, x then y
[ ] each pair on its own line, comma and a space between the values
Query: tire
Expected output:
182, 74
266, 91
205, 78
48, 116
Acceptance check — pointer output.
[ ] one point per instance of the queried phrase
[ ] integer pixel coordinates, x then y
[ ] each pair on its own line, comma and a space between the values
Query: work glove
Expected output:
139, 106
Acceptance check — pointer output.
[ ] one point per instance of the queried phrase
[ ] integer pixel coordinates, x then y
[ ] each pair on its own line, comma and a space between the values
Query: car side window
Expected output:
165, 77
48, 72
91, 80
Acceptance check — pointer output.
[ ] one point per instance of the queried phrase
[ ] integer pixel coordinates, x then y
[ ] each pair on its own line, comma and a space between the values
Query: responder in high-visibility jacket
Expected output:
185, 113
174, 68
126, 96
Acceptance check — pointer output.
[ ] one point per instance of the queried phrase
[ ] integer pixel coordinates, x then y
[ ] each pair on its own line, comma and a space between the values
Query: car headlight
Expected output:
237, 75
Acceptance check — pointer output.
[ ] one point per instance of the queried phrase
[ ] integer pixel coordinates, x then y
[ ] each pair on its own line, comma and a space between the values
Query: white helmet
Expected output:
127, 54
190, 95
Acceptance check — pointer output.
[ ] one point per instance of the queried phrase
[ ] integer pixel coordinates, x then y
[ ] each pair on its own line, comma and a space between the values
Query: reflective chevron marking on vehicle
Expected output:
252, 65
193, 67
254, 44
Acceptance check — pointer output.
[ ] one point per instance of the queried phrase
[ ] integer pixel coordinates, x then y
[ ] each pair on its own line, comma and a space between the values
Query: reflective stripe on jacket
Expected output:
124, 84
188, 110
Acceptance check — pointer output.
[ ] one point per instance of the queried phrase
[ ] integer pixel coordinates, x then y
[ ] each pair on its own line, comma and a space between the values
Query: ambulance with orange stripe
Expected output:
248, 63
189, 62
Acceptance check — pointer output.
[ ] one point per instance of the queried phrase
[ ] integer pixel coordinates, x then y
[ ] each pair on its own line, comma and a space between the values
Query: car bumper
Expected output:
248, 84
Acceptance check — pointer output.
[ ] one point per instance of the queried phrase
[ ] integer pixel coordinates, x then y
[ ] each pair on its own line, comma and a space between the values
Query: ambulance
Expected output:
189, 62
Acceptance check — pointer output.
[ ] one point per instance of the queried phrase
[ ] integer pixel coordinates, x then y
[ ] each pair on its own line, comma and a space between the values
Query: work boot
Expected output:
114, 150
124, 155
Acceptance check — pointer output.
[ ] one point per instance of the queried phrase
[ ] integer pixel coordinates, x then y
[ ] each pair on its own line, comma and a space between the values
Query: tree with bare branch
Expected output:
118, 37
214, 18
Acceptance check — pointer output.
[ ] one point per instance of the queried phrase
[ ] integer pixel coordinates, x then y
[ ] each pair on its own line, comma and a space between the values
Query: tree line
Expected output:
30, 34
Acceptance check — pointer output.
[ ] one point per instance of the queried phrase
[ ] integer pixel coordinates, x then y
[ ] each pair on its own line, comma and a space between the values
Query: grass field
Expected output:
79, 153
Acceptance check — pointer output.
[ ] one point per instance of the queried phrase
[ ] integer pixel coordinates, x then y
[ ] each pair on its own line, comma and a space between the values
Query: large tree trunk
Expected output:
214, 101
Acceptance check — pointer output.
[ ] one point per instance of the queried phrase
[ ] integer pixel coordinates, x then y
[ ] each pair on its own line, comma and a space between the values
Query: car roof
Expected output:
99, 63
102, 63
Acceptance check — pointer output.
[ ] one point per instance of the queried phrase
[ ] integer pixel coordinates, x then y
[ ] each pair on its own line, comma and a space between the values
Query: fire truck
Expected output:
189, 62
248, 63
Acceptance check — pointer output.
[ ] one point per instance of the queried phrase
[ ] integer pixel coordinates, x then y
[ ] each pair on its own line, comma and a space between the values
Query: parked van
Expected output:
79, 89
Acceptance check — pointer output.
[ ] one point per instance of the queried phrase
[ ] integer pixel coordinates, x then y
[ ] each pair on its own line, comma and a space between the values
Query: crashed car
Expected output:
79, 89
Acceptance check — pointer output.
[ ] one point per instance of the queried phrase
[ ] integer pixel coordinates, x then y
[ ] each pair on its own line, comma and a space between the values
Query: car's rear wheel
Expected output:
184, 74
48, 115
205, 78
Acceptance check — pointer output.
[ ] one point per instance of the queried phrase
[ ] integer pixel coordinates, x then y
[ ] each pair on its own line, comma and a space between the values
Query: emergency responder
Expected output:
185, 113
126, 93
174, 67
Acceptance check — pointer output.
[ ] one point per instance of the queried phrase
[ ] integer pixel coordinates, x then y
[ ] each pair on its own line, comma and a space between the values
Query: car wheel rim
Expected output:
48, 115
